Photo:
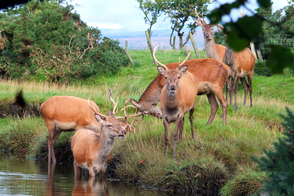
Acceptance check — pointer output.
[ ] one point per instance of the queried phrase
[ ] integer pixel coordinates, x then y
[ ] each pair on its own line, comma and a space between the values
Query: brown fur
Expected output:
91, 150
241, 65
67, 113
175, 104
211, 74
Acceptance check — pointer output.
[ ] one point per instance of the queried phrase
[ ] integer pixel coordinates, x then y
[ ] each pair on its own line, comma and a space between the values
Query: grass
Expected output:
217, 160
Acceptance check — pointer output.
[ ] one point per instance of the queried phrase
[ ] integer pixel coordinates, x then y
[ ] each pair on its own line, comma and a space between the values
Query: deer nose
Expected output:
124, 132
173, 87
207, 35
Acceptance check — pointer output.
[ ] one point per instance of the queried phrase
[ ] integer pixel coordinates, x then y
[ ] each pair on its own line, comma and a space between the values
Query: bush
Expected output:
261, 69
46, 38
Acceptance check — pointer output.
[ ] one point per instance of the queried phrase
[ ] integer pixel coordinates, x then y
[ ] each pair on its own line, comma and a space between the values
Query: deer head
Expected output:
172, 76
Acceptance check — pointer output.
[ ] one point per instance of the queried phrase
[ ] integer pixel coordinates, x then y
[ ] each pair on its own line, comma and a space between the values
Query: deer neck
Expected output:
172, 99
152, 93
210, 48
105, 145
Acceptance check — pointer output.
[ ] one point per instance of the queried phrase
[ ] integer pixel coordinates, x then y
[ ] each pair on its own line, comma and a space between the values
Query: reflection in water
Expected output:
20, 176
94, 186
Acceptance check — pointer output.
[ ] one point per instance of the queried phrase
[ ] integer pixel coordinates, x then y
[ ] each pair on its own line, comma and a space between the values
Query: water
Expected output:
20, 176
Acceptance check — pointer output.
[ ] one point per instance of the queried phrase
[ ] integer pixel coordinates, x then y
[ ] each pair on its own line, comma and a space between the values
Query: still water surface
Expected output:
19, 176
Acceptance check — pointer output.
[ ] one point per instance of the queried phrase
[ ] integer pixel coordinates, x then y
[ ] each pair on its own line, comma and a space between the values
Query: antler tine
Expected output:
115, 104
156, 59
243, 14
203, 21
97, 112
188, 54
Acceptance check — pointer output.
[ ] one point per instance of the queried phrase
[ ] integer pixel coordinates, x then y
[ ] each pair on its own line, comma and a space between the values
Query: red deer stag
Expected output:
91, 150
67, 113
211, 74
241, 63
177, 98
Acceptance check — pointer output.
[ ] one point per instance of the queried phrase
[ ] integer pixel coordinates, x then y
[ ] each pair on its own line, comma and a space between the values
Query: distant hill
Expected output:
137, 39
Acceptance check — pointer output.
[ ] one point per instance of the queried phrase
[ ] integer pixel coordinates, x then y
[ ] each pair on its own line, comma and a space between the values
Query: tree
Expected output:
152, 10
47, 39
279, 163
240, 33
180, 12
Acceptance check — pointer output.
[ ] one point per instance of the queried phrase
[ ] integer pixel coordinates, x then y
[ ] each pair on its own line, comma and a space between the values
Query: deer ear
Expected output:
99, 118
161, 70
135, 103
199, 23
182, 70
110, 114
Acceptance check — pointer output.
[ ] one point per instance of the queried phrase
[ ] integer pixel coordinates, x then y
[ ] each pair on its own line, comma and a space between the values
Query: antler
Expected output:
202, 21
115, 104
188, 54
243, 14
97, 112
156, 59
130, 116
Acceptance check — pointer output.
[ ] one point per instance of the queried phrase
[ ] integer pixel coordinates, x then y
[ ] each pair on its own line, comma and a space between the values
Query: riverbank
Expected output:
218, 156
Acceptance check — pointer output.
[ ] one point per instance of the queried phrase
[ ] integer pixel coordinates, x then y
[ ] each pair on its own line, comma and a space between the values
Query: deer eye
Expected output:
165, 77
110, 126
178, 77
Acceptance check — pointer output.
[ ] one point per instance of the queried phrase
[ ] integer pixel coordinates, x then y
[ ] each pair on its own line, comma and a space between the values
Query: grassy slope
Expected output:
219, 153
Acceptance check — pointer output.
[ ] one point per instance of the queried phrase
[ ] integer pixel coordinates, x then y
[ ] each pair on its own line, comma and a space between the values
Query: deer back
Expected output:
70, 113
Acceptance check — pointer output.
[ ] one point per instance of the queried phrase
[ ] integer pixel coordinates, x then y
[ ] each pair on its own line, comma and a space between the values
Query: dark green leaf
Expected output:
280, 58
264, 3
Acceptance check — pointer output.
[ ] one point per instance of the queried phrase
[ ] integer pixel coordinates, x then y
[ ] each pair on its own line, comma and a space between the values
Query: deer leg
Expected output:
77, 170
223, 102
231, 90
214, 107
191, 119
53, 133
250, 78
228, 86
236, 81
181, 130
166, 126
246, 87
175, 135
51, 141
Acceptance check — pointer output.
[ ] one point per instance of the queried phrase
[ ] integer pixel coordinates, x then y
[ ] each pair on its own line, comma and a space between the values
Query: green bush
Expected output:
46, 38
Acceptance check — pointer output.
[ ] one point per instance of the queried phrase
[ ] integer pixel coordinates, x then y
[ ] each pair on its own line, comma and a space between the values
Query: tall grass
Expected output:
218, 157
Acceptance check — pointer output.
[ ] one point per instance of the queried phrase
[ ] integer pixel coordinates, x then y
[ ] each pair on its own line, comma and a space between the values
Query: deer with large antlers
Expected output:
241, 63
68, 113
212, 76
91, 151
177, 98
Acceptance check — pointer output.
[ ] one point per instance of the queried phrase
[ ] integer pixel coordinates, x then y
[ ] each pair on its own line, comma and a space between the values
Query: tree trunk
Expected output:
180, 42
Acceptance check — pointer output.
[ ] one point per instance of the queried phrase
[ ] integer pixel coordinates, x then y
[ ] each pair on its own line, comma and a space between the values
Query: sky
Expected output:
124, 15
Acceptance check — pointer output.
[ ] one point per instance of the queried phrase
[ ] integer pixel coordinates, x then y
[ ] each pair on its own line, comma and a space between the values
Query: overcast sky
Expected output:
124, 15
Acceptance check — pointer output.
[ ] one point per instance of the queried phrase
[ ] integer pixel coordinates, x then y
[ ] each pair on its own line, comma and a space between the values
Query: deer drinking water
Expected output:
177, 98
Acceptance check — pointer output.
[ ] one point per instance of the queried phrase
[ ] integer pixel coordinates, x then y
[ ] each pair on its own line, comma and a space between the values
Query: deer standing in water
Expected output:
241, 63
91, 150
177, 98
68, 113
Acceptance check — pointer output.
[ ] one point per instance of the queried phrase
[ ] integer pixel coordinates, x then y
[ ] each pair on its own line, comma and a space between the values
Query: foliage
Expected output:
279, 163
151, 10
240, 34
179, 11
261, 69
246, 182
46, 38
